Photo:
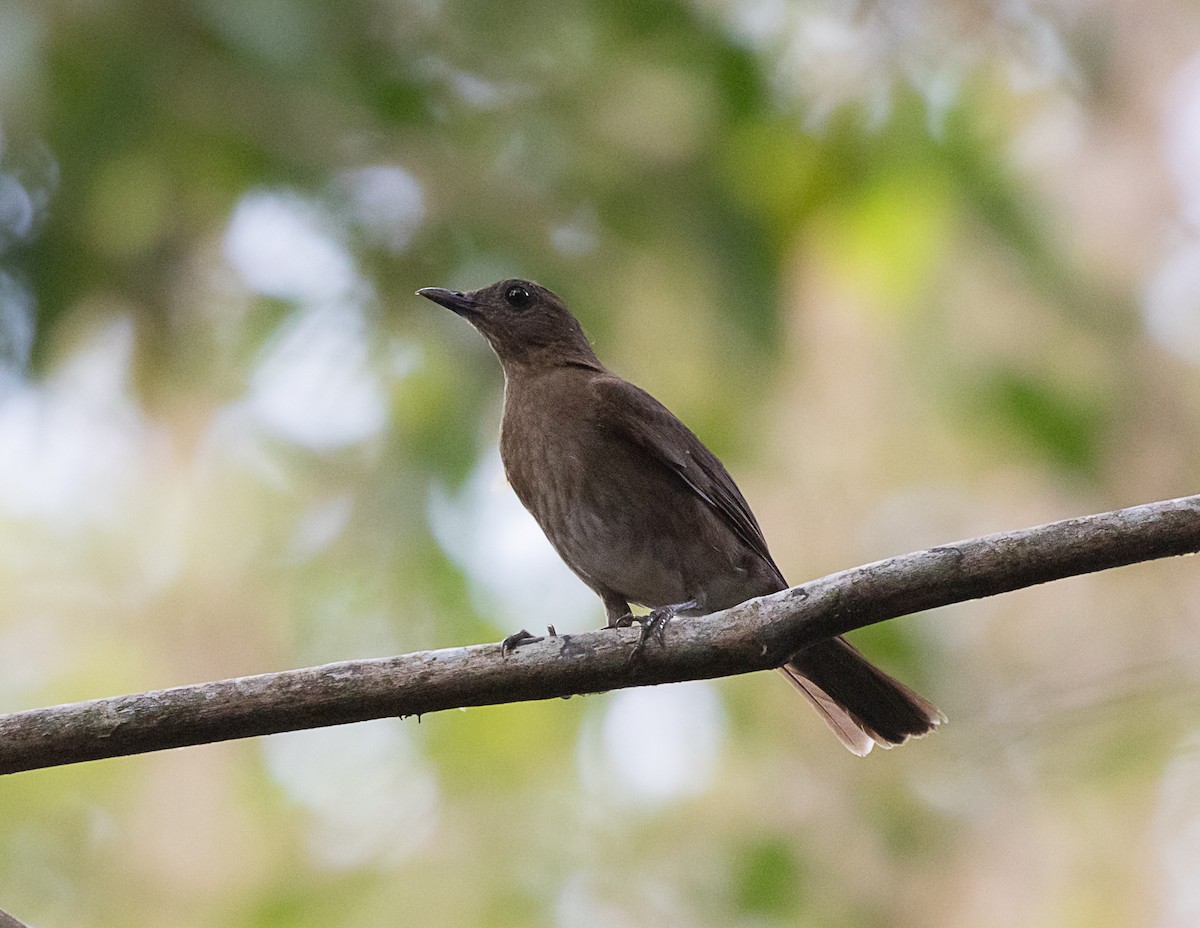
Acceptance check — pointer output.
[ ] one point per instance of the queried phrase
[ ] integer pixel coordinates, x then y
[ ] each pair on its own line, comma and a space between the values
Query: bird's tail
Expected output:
858, 701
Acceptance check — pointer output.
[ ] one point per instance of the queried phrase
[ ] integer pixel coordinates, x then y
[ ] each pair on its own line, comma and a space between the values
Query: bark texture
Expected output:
757, 635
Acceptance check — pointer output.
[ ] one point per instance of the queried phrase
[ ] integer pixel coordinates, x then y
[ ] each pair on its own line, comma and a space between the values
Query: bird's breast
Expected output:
607, 515
620, 518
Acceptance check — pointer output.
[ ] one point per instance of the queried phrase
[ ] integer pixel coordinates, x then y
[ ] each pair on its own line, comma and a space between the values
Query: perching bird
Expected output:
642, 511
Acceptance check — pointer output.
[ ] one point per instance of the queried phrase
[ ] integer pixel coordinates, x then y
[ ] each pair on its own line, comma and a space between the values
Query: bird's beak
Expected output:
453, 300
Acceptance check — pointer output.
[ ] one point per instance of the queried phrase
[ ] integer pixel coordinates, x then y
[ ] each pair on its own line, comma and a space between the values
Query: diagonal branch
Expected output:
7, 921
757, 635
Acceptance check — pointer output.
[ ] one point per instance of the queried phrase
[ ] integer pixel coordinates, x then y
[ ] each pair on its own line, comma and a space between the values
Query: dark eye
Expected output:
517, 296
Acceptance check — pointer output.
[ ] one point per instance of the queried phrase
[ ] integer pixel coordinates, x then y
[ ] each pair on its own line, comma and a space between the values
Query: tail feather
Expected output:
840, 722
860, 703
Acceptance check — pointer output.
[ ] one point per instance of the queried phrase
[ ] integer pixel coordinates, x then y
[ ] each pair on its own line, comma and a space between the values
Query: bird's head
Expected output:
526, 324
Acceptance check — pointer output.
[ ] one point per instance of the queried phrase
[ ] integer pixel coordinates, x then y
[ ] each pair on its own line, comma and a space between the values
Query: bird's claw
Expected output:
654, 625
516, 639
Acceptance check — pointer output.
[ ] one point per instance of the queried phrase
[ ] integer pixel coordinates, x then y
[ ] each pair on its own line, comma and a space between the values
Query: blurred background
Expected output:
917, 270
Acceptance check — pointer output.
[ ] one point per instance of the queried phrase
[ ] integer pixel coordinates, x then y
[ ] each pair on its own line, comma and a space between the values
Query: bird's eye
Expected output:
517, 296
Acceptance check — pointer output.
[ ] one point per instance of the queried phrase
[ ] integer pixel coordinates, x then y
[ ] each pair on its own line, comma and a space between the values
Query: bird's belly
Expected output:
632, 530
617, 554
652, 554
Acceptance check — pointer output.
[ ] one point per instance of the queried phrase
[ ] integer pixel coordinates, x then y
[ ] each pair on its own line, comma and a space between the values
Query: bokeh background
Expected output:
917, 270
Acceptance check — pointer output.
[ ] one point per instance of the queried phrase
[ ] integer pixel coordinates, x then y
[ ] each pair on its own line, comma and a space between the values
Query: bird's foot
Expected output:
516, 639
654, 625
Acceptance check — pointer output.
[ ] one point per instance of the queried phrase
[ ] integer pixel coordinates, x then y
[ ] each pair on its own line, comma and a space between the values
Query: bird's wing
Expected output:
642, 420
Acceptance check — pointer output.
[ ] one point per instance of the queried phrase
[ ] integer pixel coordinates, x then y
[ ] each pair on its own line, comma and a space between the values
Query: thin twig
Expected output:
757, 635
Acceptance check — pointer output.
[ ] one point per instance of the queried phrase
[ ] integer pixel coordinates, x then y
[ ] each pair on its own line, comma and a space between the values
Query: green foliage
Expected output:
1066, 429
770, 881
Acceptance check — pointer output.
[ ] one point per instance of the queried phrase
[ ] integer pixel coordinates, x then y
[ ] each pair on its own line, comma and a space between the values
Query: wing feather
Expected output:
655, 430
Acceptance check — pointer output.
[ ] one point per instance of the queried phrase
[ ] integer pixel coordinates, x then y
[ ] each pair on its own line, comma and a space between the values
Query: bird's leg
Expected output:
653, 625
617, 610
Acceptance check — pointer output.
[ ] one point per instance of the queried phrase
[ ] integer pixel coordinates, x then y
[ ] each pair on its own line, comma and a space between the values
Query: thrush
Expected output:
642, 511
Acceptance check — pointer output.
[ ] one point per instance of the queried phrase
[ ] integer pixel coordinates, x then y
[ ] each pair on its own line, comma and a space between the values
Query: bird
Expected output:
642, 511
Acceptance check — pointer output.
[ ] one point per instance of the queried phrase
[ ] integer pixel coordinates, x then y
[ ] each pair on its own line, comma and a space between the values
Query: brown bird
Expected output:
642, 511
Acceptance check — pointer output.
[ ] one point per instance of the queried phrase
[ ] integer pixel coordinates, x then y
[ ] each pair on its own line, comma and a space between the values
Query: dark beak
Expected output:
452, 299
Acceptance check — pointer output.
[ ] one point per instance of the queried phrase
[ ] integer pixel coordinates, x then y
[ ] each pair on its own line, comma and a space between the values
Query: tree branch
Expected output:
7, 921
757, 635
